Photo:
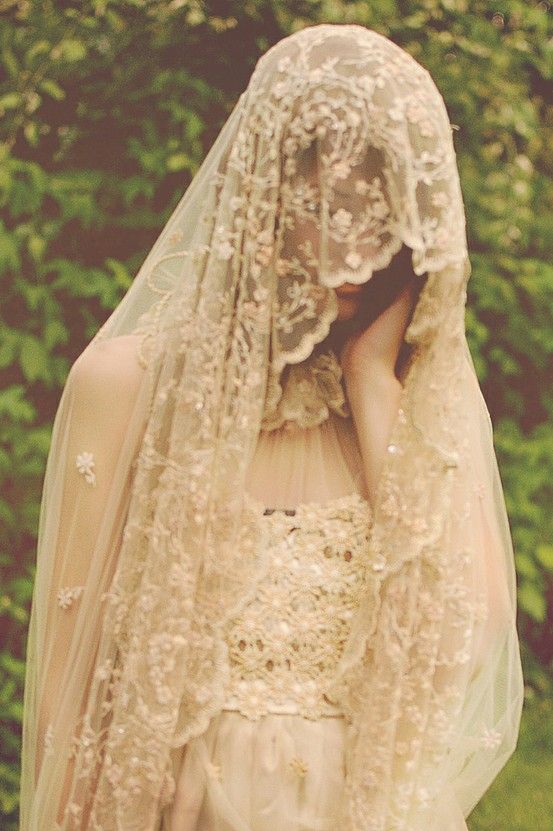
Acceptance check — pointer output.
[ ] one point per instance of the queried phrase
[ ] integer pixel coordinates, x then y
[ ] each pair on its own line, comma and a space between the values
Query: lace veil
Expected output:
338, 153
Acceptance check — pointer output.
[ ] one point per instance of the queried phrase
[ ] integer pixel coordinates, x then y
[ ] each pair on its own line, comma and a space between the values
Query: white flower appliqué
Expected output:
66, 596
48, 737
85, 464
221, 245
490, 738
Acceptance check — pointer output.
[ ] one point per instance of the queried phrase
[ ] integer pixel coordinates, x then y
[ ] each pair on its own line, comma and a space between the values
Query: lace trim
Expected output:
310, 391
303, 387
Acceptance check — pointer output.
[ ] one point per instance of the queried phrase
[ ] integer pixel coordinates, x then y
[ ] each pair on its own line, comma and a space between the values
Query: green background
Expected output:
107, 109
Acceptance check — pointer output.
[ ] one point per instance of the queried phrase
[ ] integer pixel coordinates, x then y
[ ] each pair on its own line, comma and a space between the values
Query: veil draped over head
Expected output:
337, 154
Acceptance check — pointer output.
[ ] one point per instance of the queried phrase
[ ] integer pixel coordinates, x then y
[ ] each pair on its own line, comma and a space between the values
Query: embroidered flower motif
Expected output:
258, 315
104, 670
222, 246
281, 267
73, 810
414, 111
224, 250
353, 118
450, 693
284, 64
342, 219
48, 737
85, 464
299, 766
279, 89
490, 738
426, 129
396, 112
380, 209
341, 169
66, 596
261, 294
264, 253
354, 259
176, 236
418, 525
265, 237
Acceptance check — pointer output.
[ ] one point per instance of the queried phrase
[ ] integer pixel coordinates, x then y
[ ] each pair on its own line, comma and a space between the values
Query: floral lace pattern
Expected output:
85, 465
287, 641
333, 129
312, 389
67, 595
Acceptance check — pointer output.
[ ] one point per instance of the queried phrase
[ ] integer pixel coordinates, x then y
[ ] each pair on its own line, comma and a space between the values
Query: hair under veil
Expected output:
338, 153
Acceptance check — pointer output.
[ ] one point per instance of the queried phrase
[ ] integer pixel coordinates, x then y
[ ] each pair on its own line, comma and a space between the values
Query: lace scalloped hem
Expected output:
281, 773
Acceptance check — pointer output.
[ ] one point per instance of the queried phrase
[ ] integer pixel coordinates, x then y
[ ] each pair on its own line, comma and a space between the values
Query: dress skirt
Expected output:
274, 757
282, 772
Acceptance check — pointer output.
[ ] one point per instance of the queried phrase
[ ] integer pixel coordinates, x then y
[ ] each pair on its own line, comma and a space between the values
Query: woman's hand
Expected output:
376, 347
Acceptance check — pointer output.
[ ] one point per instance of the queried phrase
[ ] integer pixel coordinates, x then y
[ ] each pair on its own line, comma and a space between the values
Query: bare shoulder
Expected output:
108, 369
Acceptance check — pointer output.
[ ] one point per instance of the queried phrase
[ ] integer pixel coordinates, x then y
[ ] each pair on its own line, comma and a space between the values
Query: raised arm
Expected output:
439, 692
368, 361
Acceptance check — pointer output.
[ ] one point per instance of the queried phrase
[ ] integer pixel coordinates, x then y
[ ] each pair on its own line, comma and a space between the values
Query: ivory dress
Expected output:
273, 757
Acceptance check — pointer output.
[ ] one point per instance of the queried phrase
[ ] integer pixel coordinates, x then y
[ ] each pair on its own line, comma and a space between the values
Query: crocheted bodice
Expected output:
286, 643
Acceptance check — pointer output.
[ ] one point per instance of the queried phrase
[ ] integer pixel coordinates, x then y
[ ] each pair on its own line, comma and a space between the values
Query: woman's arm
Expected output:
368, 362
87, 481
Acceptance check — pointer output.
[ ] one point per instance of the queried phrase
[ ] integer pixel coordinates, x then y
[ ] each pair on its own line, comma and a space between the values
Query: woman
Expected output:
274, 757
275, 583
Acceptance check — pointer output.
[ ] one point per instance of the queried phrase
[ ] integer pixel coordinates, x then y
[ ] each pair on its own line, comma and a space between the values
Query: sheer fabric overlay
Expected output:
338, 153
281, 773
274, 757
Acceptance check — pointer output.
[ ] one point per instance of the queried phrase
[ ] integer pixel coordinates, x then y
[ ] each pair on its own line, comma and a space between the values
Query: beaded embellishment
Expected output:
285, 645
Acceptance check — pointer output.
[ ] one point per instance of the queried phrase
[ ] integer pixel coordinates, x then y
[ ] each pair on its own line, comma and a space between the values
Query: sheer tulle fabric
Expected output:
147, 546
282, 771
285, 773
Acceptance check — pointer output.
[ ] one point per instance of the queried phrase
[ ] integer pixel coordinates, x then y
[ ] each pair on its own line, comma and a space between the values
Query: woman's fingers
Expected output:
380, 342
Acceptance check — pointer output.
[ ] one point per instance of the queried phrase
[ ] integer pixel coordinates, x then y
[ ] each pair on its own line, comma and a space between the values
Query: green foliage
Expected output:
107, 110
